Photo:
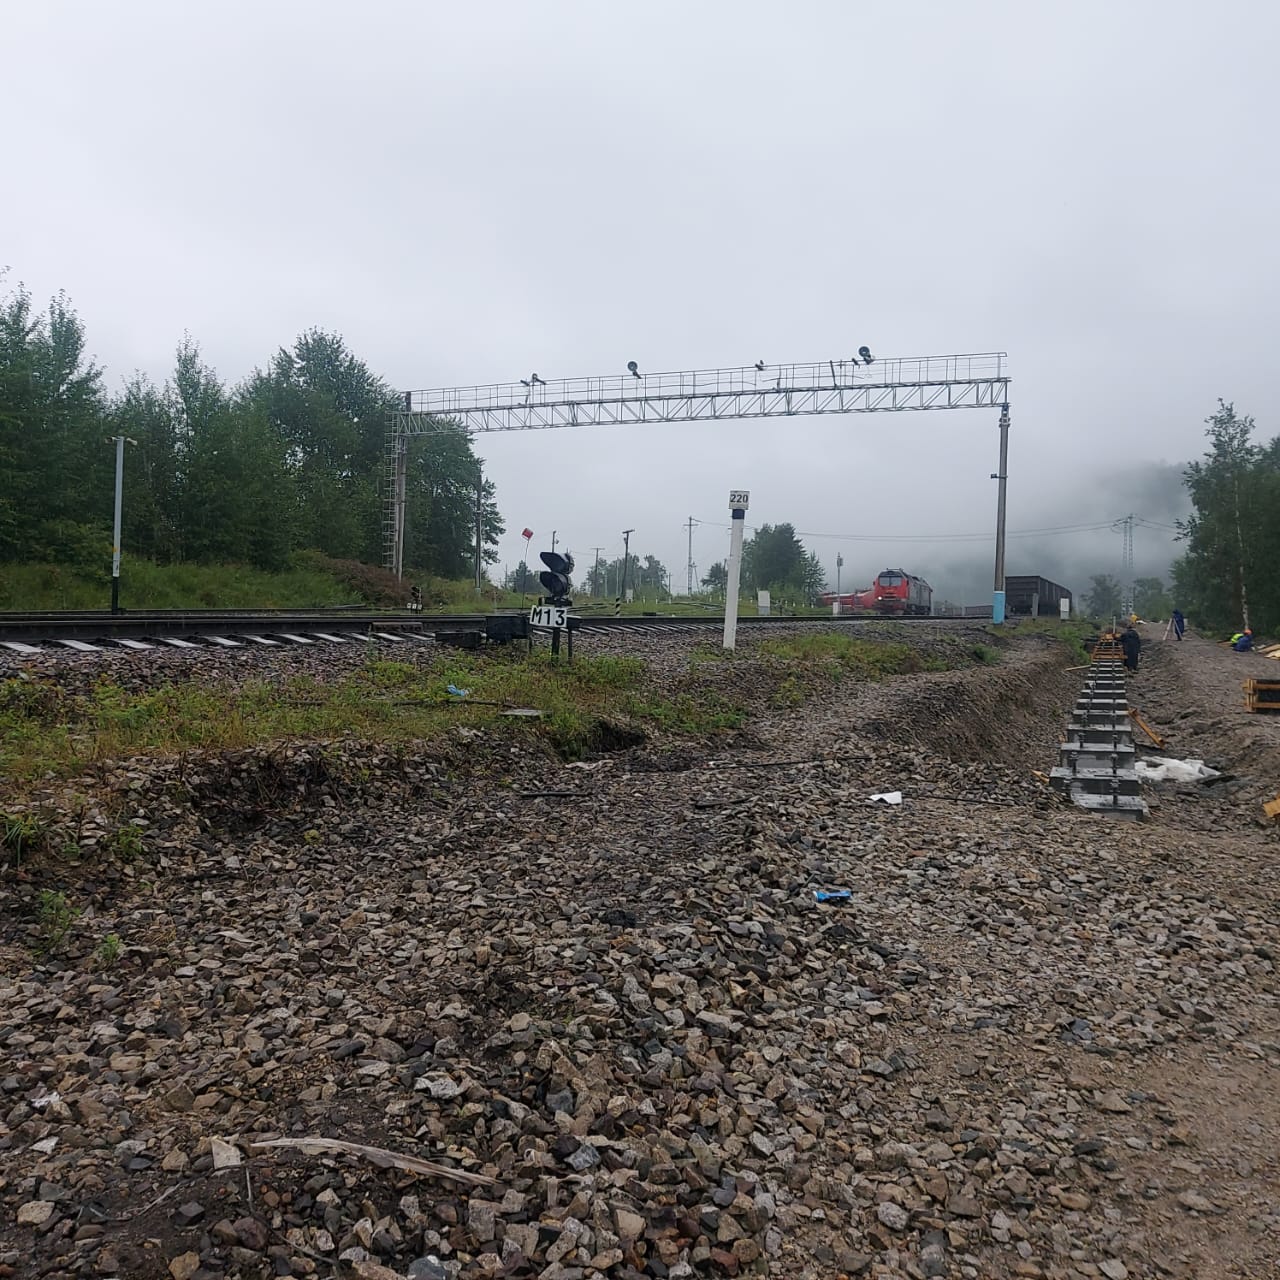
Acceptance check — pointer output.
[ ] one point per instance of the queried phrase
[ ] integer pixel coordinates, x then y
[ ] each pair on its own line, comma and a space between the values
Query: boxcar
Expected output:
1032, 597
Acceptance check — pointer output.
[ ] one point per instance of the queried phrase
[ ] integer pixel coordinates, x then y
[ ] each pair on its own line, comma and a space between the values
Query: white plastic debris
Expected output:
889, 797
1162, 769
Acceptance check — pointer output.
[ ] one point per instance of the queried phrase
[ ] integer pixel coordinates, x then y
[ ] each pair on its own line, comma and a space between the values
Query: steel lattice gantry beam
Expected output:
708, 395
901, 384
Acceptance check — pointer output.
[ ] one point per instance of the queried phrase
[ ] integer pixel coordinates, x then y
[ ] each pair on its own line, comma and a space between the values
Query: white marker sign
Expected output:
554, 616
739, 498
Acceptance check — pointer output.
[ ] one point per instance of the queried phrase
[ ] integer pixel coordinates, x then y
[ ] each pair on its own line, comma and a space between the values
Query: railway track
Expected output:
29, 634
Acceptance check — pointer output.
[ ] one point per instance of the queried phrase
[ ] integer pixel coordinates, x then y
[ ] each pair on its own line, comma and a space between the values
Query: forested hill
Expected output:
290, 459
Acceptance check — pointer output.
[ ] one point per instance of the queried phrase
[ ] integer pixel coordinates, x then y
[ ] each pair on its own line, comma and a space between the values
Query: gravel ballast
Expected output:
604, 997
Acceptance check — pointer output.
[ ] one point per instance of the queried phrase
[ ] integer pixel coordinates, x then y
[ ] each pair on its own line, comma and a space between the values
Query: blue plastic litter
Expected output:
831, 895
458, 693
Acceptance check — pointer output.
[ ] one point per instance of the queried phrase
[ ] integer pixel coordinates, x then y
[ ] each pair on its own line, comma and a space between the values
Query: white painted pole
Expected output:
738, 507
115, 534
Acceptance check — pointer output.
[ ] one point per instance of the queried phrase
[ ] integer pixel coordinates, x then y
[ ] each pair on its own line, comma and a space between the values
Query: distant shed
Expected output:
1032, 597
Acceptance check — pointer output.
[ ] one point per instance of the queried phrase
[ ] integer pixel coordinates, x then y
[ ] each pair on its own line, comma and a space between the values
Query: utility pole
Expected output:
595, 573
997, 599
626, 563
553, 542
115, 537
1128, 563
839, 566
691, 524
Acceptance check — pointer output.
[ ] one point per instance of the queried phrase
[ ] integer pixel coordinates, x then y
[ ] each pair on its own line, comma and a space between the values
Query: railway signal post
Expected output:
552, 610
738, 500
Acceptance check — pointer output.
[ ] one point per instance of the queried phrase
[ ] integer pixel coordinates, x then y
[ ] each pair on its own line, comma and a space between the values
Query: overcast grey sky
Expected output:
469, 192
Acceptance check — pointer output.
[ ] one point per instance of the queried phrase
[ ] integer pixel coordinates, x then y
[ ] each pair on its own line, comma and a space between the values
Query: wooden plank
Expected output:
1146, 728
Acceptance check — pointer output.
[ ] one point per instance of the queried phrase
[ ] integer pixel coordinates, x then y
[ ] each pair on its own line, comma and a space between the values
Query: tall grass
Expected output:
45, 729
866, 659
146, 585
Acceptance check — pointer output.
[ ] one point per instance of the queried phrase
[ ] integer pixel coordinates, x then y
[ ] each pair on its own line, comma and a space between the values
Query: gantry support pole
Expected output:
1002, 476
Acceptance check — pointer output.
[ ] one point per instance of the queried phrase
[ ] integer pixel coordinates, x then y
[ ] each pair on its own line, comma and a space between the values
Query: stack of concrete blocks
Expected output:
1096, 768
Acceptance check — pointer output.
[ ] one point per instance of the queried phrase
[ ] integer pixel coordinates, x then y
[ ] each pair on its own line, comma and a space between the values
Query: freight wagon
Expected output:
1032, 597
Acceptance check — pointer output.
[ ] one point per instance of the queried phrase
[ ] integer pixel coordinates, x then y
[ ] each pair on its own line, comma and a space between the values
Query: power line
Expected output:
1048, 531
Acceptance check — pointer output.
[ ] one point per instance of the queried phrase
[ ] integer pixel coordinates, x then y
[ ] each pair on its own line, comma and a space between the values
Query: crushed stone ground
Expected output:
1030, 1043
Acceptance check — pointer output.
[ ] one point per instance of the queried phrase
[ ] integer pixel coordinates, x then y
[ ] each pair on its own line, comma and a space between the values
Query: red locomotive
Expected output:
894, 591
899, 592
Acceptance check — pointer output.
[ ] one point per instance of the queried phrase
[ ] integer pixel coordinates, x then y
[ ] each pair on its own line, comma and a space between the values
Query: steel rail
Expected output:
90, 626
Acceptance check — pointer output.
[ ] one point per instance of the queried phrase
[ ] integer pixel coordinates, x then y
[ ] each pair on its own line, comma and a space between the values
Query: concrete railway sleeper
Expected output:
1096, 767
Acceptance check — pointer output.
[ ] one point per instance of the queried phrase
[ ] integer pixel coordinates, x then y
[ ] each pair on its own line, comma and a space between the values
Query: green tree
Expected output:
612, 574
1102, 600
291, 460
55, 502
1227, 578
652, 581
596, 581
238, 494
1150, 599
775, 560
521, 578
717, 578
813, 578
153, 477
330, 412
441, 497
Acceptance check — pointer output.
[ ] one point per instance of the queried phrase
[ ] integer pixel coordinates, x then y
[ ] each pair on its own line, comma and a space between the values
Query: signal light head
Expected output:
633, 368
865, 353
556, 562
555, 577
